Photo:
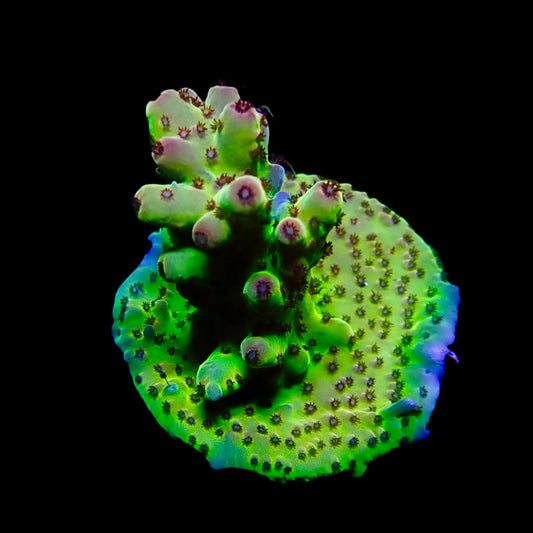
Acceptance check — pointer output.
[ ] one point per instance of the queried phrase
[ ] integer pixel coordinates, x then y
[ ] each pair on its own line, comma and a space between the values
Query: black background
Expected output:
407, 124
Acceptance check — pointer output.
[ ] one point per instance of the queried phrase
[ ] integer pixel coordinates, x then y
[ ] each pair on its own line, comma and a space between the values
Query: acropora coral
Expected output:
280, 322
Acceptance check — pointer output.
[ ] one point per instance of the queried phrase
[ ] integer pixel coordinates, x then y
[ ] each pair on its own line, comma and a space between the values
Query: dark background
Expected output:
407, 124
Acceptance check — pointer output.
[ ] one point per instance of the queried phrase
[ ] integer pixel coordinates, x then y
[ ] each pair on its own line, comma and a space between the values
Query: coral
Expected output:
279, 323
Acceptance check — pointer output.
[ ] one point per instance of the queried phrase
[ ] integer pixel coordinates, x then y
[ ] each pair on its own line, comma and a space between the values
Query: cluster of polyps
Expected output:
192, 138
214, 225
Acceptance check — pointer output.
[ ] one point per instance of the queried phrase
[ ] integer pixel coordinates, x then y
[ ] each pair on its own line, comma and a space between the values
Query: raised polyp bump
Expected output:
213, 392
291, 230
183, 264
238, 137
222, 373
219, 96
261, 352
178, 158
171, 110
177, 204
243, 195
296, 361
263, 288
401, 407
210, 232
322, 201
243, 119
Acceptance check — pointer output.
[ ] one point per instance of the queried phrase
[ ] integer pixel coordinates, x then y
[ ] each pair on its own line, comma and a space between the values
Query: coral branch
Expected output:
263, 291
183, 264
178, 204
243, 195
262, 352
222, 373
210, 232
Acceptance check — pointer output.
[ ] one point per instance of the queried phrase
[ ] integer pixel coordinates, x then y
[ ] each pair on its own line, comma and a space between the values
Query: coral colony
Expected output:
280, 322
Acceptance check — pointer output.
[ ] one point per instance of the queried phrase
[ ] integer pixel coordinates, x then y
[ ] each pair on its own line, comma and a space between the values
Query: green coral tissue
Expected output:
280, 323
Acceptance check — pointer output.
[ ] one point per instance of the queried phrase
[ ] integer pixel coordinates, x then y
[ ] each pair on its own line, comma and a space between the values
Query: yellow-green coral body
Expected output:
305, 334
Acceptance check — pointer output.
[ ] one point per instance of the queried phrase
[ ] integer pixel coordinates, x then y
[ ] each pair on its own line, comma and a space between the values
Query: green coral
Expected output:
284, 324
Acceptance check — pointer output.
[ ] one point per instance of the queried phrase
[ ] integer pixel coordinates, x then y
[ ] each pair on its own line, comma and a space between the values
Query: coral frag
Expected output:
280, 323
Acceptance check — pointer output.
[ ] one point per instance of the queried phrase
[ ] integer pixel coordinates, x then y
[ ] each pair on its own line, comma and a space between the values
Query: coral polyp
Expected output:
280, 323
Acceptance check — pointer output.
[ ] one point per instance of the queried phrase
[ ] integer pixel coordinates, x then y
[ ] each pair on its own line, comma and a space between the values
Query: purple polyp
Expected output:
263, 288
252, 356
245, 194
201, 238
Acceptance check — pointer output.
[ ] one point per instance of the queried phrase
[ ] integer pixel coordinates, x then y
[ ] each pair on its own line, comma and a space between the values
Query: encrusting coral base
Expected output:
280, 323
